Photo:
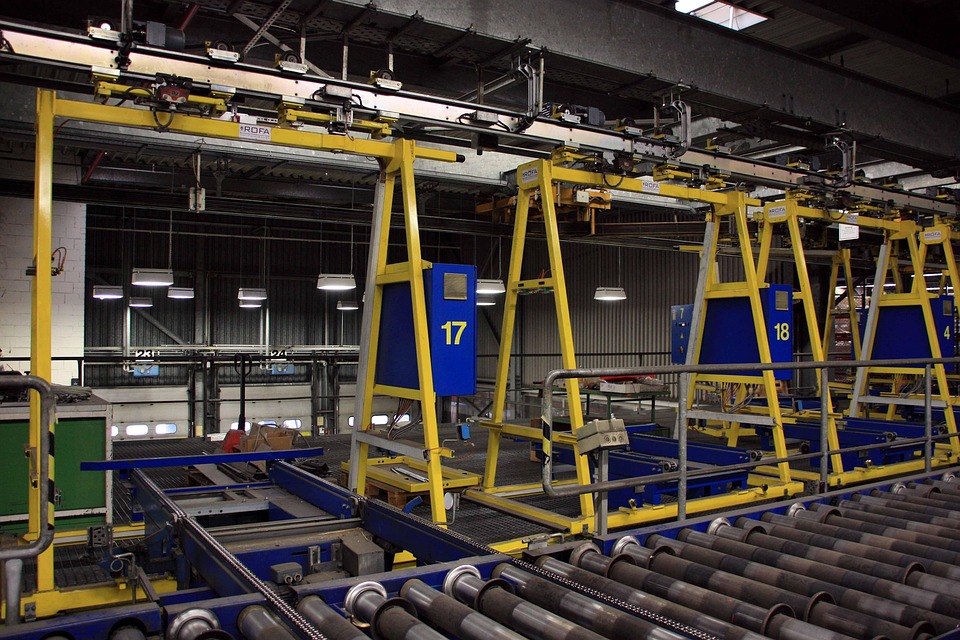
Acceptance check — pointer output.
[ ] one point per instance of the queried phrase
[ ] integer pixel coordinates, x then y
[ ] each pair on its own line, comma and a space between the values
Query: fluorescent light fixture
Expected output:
486, 301
336, 282
250, 304
252, 293
490, 287
610, 294
107, 292
347, 305
152, 277
180, 293
141, 303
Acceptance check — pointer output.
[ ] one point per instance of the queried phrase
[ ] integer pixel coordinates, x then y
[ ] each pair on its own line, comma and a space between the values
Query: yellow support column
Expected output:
786, 212
738, 209
567, 354
532, 177
428, 398
506, 333
41, 301
379, 242
918, 247
851, 308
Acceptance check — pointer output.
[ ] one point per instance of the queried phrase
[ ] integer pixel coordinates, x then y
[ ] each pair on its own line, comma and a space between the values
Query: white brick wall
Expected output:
16, 253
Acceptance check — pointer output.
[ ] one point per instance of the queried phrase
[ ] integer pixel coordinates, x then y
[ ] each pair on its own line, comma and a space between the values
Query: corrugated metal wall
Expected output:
633, 333
216, 256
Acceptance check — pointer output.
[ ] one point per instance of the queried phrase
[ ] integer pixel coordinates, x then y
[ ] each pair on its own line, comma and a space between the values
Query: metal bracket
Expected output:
30, 453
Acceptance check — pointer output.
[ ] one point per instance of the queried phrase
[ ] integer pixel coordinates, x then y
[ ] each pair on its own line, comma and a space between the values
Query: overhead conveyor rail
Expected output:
79, 52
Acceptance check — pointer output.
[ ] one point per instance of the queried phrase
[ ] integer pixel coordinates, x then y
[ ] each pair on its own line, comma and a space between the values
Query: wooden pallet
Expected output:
383, 492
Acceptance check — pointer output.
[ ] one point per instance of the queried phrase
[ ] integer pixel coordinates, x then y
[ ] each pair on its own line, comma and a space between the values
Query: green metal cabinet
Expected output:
82, 433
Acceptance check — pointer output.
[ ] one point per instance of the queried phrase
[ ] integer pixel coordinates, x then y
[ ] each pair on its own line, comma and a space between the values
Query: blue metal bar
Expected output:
320, 493
213, 458
704, 453
90, 624
218, 487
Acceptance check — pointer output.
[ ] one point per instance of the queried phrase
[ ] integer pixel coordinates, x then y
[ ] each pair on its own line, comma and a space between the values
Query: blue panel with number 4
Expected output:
901, 331
450, 291
728, 332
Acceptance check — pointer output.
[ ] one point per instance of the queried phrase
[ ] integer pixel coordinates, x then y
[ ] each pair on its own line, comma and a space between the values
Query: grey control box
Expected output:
602, 434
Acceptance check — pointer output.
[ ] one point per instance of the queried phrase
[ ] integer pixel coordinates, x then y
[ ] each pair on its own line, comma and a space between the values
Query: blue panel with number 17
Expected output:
450, 291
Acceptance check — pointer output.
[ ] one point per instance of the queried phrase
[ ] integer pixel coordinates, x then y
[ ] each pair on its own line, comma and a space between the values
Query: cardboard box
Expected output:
263, 438
622, 387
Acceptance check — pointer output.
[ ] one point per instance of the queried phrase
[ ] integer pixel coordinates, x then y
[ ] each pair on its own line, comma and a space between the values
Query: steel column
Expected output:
42, 318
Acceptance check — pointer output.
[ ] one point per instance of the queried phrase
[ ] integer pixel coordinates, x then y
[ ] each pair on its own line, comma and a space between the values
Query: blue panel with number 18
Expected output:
729, 334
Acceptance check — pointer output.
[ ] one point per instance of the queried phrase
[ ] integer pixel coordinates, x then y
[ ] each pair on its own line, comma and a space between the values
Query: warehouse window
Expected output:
137, 430
721, 13
114, 431
382, 419
165, 428
246, 426
292, 423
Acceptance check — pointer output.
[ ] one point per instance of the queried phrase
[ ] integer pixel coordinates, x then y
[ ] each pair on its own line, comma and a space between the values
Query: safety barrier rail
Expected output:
682, 475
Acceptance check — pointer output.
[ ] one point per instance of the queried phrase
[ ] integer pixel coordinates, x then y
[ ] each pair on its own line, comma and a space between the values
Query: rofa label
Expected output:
254, 132
775, 214
650, 186
529, 175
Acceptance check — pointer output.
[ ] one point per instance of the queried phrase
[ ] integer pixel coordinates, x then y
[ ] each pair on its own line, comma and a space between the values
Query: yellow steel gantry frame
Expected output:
398, 158
709, 287
917, 240
790, 211
539, 176
786, 213
410, 271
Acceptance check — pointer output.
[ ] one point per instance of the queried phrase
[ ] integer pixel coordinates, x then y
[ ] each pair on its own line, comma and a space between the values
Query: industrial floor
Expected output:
478, 522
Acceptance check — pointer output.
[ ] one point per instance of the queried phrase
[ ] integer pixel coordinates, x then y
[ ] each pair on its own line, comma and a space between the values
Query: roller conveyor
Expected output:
854, 565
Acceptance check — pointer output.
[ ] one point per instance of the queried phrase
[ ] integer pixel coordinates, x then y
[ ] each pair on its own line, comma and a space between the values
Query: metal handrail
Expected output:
12, 557
48, 402
682, 475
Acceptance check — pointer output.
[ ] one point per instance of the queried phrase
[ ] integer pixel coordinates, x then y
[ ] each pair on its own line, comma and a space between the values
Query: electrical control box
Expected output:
602, 434
451, 299
728, 331
901, 331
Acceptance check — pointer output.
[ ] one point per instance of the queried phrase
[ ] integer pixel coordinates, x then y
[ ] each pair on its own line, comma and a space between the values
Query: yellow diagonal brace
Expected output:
421, 332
